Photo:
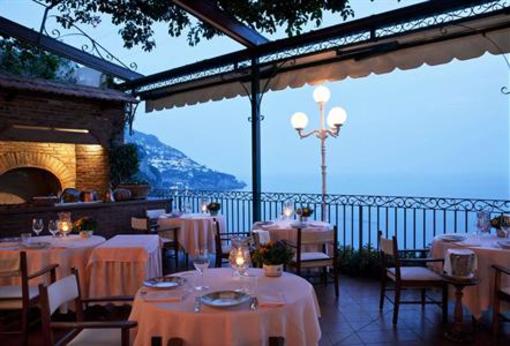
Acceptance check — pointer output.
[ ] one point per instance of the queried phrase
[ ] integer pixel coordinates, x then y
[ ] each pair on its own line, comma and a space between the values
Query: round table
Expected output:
296, 319
196, 231
286, 230
68, 252
480, 297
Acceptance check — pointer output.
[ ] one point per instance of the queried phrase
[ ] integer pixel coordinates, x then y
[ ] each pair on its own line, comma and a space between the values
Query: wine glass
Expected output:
482, 222
53, 227
201, 263
37, 226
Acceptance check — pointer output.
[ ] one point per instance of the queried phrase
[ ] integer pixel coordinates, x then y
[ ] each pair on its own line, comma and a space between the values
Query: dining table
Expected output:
477, 298
196, 231
286, 307
71, 251
286, 229
120, 265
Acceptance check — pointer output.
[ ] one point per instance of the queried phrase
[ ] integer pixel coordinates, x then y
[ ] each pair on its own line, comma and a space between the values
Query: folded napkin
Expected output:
271, 300
162, 296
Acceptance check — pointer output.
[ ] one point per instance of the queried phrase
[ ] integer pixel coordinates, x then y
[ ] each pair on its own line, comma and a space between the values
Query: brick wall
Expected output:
78, 159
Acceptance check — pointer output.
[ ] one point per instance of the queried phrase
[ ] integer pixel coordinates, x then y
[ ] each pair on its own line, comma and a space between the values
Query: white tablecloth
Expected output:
70, 252
121, 264
297, 320
196, 230
478, 298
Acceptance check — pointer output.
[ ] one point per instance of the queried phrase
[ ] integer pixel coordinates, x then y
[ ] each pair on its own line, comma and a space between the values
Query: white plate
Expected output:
165, 282
224, 299
452, 237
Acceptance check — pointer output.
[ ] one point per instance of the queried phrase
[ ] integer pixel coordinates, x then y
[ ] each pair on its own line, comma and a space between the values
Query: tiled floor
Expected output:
356, 320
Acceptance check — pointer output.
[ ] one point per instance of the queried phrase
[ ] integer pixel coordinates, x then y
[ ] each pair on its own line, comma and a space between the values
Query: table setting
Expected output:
474, 253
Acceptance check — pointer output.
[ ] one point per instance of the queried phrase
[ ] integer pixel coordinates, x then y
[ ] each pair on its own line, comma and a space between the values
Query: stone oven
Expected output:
54, 136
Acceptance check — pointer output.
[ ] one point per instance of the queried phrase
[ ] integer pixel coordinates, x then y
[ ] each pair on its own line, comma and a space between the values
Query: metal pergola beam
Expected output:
208, 12
372, 23
11, 29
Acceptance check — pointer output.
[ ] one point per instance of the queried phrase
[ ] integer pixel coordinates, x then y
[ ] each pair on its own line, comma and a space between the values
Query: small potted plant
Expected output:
304, 213
85, 226
213, 208
273, 256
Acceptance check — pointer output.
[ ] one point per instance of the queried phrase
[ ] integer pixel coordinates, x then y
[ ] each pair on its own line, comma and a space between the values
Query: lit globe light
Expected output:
321, 94
299, 120
336, 117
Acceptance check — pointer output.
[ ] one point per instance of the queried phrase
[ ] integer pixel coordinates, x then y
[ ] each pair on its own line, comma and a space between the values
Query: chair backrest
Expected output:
140, 224
317, 237
62, 291
154, 213
389, 249
387, 246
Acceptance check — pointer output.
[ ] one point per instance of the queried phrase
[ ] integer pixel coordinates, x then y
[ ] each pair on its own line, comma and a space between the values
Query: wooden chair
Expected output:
317, 259
21, 297
223, 243
80, 332
500, 294
168, 236
408, 277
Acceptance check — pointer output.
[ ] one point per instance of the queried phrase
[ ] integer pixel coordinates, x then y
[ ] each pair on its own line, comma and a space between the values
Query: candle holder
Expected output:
239, 256
65, 225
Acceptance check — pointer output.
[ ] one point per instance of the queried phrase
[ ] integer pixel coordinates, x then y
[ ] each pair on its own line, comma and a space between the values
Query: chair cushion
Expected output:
103, 337
15, 292
506, 290
313, 256
414, 274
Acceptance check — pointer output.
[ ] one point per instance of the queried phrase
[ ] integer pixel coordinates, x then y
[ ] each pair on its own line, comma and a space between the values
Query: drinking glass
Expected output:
37, 226
483, 224
201, 263
187, 207
53, 227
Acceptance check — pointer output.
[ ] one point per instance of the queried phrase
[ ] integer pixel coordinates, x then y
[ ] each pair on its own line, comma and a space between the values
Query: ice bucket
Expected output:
460, 263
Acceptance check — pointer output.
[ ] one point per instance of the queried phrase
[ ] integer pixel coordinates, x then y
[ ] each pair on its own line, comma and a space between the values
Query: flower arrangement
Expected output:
273, 253
213, 208
500, 221
304, 213
85, 224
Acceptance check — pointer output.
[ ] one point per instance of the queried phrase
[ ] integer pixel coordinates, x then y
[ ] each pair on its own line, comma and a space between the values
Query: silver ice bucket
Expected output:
462, 263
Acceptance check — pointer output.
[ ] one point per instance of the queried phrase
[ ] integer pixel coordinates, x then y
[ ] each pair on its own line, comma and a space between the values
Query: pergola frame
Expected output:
262, 58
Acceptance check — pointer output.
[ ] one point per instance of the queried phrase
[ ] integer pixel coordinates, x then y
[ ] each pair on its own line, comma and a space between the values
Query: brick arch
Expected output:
14, 160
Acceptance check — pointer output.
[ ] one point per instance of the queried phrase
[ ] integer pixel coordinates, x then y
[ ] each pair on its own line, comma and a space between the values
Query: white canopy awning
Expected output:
407, 51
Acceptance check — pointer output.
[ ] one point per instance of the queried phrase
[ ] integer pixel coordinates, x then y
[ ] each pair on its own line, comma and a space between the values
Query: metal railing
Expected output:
414, 220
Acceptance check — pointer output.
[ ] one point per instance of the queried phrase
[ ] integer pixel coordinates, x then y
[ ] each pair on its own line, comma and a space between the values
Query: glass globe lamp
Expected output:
299, 120
321, 94
336, 117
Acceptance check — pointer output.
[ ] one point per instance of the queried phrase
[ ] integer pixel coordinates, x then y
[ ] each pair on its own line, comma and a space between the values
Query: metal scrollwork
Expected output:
91, 46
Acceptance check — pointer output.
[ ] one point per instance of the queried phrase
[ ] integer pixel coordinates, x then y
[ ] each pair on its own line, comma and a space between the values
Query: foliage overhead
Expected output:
26, 61
137, 18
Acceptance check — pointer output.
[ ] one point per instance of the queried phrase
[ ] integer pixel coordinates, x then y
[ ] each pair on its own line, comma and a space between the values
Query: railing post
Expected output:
360, 227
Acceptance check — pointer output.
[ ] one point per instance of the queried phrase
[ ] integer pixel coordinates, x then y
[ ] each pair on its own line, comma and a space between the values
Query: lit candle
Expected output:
204, 208
287, 212
240, 258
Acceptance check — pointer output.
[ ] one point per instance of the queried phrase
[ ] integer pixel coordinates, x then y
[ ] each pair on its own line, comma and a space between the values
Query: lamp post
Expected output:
336, 118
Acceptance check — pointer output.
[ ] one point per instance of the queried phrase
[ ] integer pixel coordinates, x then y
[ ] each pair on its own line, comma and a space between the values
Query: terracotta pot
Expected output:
273, 270
121, 194
139, 191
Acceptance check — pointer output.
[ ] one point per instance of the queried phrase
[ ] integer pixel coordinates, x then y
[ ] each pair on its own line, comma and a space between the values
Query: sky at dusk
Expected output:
432, 131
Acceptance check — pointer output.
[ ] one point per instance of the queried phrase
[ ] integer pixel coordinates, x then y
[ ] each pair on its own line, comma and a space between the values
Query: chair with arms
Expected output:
80, 332
21, 297
322, 259
223, 241
500, 294
417, 276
